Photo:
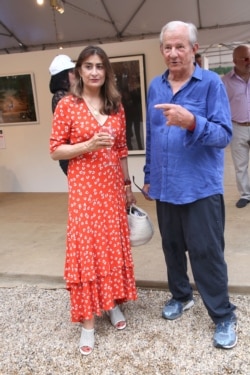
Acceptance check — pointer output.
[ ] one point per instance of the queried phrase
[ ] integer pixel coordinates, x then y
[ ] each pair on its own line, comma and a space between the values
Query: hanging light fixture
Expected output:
57, 5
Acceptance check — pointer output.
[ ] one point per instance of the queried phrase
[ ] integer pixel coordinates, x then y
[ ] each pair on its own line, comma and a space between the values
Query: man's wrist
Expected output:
192, 127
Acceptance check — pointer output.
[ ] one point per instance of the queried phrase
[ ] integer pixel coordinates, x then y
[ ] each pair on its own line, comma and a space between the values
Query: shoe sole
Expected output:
226, 346
218, 346
86, 353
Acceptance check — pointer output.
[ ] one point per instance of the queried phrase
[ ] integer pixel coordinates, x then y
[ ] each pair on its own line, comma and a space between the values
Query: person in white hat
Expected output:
62, 77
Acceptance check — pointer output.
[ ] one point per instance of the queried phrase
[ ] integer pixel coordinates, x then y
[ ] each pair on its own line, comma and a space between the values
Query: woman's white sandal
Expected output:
87, 341
116, 317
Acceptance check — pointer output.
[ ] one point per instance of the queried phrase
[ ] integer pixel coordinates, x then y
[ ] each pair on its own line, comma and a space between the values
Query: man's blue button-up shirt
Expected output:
183, 166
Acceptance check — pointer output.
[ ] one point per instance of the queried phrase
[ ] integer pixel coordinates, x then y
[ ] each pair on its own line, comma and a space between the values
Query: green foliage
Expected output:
221, 70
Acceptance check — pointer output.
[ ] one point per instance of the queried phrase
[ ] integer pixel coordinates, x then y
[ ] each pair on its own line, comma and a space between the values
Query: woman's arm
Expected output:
127, 182
67, 151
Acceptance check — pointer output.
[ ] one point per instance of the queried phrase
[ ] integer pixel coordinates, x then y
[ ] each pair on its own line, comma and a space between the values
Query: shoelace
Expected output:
172, 302
223, 327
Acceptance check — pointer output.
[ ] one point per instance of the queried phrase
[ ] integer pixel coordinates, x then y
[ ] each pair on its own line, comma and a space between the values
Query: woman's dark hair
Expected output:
60, 81
110, 95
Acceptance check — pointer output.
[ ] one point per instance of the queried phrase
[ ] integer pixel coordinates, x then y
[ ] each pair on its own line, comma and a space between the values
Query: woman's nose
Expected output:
94, 70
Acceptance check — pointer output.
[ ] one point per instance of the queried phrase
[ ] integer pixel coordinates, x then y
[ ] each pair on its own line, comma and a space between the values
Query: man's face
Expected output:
177, 51
242, 60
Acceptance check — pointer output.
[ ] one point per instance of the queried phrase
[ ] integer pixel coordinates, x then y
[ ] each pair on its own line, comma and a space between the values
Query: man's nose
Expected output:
173, 52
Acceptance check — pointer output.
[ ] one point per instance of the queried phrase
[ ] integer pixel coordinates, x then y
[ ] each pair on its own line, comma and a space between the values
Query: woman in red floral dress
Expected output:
99, 268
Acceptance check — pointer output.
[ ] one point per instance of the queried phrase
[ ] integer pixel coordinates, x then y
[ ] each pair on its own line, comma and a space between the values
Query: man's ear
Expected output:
195, 47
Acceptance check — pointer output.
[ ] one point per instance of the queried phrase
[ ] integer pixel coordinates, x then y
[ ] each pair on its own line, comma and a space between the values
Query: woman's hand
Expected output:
100, 140
68, 151
130, 198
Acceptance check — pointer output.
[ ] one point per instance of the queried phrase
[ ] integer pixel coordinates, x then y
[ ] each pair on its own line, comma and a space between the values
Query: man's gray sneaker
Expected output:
174, 309
225, 336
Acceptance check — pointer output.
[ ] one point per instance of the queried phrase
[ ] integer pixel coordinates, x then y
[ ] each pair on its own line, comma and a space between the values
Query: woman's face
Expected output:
92, 72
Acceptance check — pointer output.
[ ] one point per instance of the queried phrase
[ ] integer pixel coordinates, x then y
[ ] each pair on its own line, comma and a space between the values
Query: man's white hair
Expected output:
173, 25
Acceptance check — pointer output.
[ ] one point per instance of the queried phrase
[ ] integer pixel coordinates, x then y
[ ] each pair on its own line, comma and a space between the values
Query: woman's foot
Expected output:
87, 341
117, 318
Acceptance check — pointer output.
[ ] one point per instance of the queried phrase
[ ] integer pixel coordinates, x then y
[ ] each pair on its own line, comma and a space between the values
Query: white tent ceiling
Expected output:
26, 26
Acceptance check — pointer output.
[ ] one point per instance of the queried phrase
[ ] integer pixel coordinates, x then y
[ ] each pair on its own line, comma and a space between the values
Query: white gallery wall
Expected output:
25, 163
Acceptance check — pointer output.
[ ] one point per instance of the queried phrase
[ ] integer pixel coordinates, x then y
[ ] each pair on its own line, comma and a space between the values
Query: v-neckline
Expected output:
105, 117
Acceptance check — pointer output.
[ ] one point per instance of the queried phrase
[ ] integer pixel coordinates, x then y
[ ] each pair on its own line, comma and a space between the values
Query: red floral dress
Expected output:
98, 267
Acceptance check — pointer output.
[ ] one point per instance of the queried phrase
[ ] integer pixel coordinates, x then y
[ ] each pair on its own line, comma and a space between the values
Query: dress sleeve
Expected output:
61, 125
122, 140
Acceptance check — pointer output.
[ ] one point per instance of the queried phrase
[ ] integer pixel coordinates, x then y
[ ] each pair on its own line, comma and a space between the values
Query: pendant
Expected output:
96, 113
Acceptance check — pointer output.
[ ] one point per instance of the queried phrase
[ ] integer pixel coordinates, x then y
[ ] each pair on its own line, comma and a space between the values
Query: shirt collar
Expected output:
232, 73
197, 73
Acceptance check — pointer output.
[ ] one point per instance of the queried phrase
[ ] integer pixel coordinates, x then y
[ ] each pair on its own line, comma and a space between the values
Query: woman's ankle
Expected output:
88, 324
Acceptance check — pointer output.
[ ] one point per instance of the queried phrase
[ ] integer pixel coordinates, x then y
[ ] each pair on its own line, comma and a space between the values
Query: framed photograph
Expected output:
130, 78
18, 100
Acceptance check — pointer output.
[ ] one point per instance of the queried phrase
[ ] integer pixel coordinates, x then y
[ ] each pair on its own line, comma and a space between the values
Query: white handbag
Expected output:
140, 225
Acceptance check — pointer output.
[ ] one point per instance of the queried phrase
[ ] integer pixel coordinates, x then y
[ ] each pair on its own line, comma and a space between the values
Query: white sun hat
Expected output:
61, 63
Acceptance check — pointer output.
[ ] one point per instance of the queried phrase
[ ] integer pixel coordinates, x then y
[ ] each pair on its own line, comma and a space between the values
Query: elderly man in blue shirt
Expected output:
188, 128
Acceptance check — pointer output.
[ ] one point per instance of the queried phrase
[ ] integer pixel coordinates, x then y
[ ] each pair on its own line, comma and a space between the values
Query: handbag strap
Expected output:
136, 211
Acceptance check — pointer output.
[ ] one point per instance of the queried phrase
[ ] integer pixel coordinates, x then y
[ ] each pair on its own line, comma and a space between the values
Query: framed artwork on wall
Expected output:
18, 100
130, 78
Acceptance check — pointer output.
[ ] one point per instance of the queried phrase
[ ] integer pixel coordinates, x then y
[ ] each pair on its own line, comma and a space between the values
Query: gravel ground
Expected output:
38, 338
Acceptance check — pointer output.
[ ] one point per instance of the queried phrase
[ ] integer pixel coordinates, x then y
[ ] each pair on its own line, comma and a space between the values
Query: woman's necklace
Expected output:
94, 110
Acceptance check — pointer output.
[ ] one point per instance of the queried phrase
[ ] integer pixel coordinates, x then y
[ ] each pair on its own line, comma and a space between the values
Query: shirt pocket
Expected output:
196, 106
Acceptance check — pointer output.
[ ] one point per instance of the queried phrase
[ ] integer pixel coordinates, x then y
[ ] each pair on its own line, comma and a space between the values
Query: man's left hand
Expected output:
177, 115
